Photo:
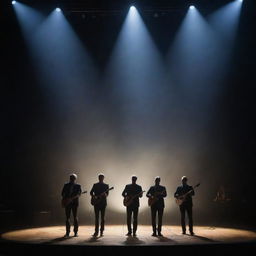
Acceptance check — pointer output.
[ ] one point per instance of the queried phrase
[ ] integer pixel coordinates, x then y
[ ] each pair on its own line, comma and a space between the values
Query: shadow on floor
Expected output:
56, 240
131, 240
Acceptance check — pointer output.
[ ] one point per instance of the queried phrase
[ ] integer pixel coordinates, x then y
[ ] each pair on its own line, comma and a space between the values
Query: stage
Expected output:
48, 238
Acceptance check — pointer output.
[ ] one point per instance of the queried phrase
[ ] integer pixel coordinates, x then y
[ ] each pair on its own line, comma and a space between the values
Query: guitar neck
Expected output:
105, 191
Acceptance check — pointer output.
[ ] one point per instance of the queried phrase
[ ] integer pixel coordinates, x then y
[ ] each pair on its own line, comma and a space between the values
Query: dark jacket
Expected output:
70, 190
159, 189
183, 189
132, 190
97, 189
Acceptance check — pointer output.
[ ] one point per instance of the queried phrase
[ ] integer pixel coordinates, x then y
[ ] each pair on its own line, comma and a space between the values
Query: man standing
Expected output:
185, 192
131, 193
156, 196
99, 193
70, 194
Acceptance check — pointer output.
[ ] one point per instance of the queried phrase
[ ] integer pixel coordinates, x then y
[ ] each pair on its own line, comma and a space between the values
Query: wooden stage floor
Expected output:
114, 235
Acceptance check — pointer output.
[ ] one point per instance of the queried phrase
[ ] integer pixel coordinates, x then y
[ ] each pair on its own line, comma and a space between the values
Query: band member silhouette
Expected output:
71, 190
99, 193
156, 196
186, 205
132, 192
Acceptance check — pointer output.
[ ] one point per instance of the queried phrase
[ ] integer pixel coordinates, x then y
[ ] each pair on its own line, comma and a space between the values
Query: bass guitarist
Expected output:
132, 191
156, 196
99, 192
71, 190
186, 205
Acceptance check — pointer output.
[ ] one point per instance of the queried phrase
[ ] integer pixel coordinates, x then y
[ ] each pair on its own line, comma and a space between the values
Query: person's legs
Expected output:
153, 220
182, 214
129, 216
102, 223
160, 218
74, 212
96, 211
190, 219
135, 220
68, 213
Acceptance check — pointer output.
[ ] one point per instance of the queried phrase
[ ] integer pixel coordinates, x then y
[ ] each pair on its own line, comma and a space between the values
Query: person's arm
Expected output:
125, 191
106, 194
149, 193
192, 193
92, 190
63, 192
141, 194
79, 190
177, 193
164, 193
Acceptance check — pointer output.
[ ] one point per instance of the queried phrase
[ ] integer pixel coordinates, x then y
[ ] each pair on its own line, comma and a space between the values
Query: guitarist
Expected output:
98, 191
187, 205
131, 190
71, 189
156, 194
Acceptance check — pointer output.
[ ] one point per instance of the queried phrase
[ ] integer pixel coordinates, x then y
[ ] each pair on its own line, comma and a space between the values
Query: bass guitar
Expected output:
97, 199
181, 199
66, 201
129, 199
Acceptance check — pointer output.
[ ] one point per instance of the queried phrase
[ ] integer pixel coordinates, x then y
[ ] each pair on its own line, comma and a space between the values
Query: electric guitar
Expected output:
153, 199
180, 199
66, 201
129, 199
97, 199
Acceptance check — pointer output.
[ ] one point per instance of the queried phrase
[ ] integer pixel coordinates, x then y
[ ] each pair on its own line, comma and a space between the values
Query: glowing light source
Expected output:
13, 2
191, 7
132, 8
58, 9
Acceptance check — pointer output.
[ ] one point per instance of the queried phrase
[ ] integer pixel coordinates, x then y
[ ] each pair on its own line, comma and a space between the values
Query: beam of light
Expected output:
65, 72
64, 63
194, 45
13, 2
135, 74
29, 19
195, 66
225, 21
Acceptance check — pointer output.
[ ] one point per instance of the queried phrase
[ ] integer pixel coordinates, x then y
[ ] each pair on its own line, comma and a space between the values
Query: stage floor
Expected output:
114, 235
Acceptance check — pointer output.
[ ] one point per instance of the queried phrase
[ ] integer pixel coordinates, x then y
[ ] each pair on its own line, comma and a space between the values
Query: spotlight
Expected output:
13, 2
132, 8
58, 9
191, 7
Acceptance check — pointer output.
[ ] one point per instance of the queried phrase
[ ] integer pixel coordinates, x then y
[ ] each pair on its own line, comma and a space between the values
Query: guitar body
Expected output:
95, 200
152, 200
179, 201
127, 201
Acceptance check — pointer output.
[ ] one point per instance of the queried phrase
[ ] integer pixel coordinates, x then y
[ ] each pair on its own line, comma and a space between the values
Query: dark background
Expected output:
31, 137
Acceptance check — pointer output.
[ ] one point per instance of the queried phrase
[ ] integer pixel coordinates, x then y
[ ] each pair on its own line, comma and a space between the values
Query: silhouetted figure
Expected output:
70, 194
156, 196
187, 204
131, 195
99, 193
